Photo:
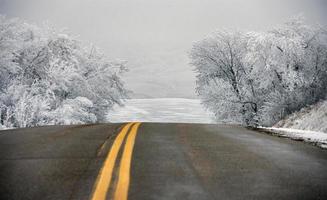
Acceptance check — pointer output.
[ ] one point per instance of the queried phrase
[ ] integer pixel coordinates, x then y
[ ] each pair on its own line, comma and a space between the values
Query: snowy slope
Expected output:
161, 110
313, 118
309, 125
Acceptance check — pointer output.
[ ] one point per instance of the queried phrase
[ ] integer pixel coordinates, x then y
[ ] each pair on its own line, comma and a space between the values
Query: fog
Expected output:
154, 36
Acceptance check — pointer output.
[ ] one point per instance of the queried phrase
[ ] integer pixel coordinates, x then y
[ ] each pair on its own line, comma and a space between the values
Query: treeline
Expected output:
48, 77
257, 78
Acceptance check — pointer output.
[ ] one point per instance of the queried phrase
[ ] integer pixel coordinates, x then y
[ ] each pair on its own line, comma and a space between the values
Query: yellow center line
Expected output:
121, 192
104, 178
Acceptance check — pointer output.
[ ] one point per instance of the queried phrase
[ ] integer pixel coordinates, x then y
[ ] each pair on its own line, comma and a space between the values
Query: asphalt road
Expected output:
157, 161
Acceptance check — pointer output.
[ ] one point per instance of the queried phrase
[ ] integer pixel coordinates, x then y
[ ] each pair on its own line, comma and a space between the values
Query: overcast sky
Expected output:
155, 35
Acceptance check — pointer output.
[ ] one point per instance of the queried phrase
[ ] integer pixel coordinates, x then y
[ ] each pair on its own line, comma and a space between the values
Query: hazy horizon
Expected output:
154, 36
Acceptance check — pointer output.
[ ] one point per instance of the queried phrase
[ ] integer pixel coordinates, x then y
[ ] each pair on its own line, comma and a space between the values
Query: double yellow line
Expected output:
104, 179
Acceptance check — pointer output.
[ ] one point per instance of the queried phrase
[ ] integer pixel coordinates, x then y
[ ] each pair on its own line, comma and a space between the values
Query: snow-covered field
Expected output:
161, 110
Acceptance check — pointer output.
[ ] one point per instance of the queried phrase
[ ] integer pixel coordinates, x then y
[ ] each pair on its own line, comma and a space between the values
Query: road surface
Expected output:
140, 161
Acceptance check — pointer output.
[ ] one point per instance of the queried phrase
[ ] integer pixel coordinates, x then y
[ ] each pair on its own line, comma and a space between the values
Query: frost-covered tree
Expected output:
48, 77
259, 77
220, 64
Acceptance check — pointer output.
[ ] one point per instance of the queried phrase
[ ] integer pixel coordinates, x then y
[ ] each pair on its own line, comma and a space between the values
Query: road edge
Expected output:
282, 135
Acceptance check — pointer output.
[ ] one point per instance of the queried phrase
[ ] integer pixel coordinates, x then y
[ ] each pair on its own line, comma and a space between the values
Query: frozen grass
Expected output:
177, 110
309, 125
312, 118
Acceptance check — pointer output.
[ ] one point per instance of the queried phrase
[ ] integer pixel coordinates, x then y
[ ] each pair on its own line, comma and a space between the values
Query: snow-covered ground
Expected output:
161, 110
2, 127
309, 124
313, 118
315, 137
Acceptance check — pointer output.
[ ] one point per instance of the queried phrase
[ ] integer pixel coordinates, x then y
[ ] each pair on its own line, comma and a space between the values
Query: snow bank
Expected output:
177, 110
314, 137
